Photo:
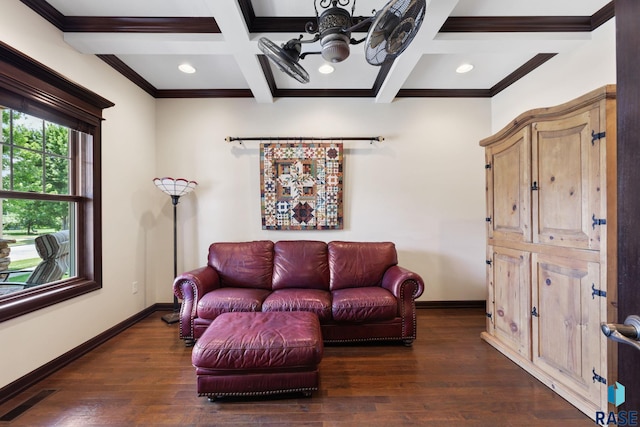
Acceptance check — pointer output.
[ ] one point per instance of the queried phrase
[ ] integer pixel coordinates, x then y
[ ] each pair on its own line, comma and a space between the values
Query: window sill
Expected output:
23, 302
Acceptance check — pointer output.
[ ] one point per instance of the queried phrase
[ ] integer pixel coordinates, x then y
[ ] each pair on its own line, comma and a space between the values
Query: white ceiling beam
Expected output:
236, 34
148, 44
452, 43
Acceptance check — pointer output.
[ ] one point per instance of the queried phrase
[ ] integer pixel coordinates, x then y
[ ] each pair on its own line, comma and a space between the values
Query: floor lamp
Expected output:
174, 188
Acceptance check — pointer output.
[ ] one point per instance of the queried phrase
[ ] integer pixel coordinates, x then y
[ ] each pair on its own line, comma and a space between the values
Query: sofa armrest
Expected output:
406, 286
190, 287
395, 277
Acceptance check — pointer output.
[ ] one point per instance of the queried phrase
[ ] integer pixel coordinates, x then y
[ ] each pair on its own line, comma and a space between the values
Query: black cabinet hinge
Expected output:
535, 187
597, 292
489, 262
534, 312
487, 166
595, 136
488, 219
597, 377
597, 221
488, 315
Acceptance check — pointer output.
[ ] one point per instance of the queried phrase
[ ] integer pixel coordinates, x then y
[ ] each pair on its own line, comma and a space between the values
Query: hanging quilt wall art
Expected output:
301, 185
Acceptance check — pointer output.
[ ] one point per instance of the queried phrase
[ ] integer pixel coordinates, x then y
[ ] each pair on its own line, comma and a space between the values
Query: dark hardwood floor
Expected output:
450, 377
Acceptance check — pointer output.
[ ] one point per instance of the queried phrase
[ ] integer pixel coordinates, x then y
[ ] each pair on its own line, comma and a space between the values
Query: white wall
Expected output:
423, 188
561, 79
130, 203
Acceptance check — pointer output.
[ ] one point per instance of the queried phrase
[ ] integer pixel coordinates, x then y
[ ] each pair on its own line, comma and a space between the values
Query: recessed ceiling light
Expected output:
186, 68
464, 68
326, 68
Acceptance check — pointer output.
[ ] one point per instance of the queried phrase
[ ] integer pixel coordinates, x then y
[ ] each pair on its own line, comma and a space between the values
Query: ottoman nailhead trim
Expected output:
260, 393
367, 339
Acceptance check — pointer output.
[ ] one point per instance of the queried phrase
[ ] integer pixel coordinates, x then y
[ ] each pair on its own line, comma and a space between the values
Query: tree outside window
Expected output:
37, 159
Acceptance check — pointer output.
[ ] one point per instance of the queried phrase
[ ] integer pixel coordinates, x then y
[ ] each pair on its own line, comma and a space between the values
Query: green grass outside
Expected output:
21, 265
18, 278
22, 238
24, 263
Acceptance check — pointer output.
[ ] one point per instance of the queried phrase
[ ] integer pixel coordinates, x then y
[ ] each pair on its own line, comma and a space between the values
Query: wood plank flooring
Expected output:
450, 377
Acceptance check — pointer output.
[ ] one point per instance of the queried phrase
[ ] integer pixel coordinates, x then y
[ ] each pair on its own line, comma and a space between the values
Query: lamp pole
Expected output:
174, 316
174, 188
174, 201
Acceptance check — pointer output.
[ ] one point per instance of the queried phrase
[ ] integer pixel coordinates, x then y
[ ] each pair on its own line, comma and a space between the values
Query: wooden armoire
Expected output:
551, 245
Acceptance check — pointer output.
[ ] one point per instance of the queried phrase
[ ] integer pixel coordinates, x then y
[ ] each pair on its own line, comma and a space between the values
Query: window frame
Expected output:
32, 88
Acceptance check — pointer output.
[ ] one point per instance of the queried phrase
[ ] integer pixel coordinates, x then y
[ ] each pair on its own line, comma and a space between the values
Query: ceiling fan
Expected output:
392, 30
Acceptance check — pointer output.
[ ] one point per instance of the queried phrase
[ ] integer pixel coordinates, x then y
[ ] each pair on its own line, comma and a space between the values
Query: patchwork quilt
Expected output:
301, 185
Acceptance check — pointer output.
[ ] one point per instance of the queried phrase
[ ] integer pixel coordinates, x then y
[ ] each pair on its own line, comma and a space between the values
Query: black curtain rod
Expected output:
305, 138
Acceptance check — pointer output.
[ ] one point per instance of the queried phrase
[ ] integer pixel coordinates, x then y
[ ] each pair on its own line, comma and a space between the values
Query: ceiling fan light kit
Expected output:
390, 33
334, 39
335, 47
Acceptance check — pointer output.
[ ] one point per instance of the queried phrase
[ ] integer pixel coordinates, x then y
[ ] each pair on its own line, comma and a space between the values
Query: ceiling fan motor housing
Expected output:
333, 39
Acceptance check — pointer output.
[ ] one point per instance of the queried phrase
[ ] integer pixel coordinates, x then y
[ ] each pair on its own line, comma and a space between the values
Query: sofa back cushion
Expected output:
243, 264
359, 264
300, 264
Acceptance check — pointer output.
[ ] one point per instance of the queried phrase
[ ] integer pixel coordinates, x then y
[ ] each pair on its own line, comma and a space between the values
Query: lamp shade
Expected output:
175, 186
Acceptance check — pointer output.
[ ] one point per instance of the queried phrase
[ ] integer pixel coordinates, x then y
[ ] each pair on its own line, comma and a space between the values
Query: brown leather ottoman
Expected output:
250, 354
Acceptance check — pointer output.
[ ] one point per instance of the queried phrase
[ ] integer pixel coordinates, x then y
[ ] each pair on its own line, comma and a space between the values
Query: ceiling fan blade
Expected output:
393, 29
286, 57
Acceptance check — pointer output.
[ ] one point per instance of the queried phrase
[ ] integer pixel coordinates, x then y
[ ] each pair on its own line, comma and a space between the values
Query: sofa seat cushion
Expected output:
363, 304
313, 300
224, 300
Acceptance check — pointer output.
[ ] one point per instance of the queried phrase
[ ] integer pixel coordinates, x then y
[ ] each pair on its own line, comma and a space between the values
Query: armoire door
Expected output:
511, 284
567, 342
568, 181
508, 188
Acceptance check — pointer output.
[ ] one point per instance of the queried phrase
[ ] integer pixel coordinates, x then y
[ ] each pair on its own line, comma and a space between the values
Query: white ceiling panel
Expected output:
439, 71
212, 71
353, 73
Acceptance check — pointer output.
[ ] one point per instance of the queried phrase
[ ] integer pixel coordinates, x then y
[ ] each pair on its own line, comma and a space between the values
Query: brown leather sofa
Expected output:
356, 289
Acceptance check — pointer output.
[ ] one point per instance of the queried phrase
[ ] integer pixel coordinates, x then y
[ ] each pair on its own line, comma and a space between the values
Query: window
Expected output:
38, 232
49, 185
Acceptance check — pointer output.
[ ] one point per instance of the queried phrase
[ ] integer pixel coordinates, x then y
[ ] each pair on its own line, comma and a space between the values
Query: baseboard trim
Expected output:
451, 304
163, 306
11, 390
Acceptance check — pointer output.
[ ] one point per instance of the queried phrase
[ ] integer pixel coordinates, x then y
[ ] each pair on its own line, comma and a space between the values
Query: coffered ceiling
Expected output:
146, 40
